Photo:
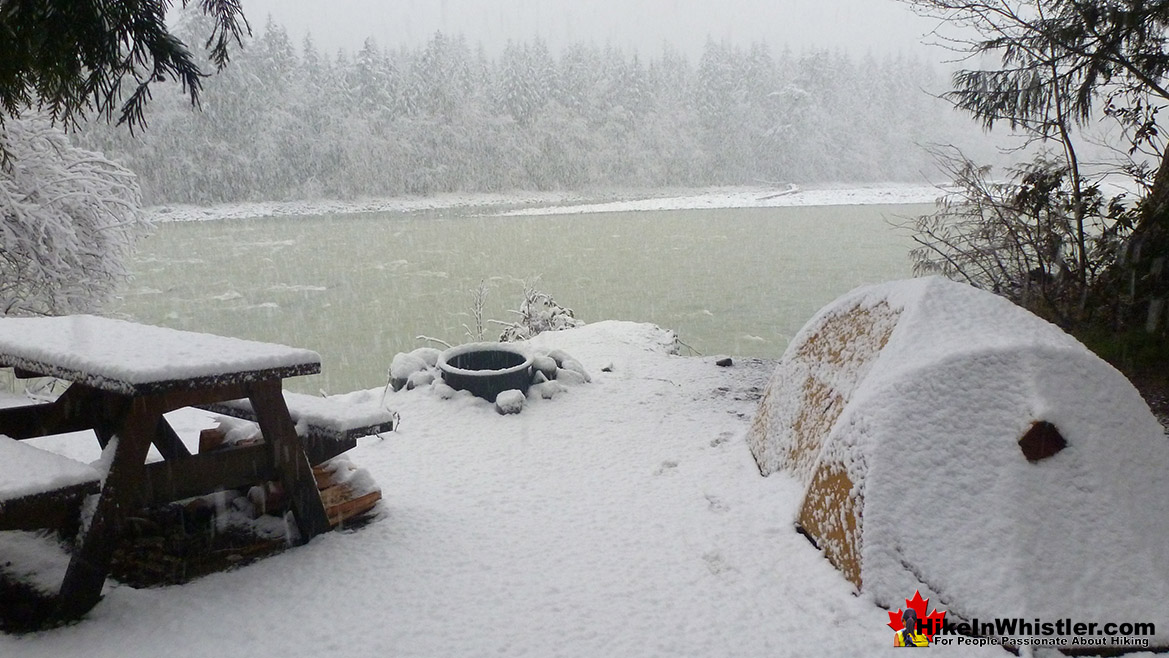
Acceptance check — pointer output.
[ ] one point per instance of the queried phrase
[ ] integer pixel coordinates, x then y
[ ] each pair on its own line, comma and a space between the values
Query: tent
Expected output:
951, 442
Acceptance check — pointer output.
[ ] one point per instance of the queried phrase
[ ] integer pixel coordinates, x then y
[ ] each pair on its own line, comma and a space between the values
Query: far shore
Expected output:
562, 202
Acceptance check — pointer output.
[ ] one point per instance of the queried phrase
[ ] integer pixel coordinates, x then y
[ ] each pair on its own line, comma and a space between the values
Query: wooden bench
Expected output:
326, 427
40, 489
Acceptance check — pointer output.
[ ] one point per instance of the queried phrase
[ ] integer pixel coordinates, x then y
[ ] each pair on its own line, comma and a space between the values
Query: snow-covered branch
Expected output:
70, 218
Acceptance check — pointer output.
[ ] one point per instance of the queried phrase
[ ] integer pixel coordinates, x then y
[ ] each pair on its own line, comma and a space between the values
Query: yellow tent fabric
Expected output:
950, 442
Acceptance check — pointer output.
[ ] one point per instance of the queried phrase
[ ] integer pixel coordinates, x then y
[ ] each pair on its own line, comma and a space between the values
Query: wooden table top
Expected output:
135, 359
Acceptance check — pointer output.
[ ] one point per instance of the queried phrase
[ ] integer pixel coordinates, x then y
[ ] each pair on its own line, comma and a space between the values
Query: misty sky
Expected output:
882, 26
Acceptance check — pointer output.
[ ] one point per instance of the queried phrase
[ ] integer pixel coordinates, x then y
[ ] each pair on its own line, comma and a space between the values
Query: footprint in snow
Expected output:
721, 439
716, 563
666, 467
716, 504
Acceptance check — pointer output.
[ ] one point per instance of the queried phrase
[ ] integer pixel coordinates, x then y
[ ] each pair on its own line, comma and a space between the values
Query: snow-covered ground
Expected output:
624, 517
547, 203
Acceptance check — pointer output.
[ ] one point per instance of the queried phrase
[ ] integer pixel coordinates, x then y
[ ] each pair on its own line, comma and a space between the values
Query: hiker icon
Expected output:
909, 635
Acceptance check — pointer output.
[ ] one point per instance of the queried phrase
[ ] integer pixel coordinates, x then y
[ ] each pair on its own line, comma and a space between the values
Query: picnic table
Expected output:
123, 377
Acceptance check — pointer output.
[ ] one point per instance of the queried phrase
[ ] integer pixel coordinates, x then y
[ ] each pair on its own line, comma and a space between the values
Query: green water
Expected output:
359, 288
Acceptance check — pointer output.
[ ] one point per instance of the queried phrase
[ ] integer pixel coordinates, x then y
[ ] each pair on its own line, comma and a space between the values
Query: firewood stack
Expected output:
346, 491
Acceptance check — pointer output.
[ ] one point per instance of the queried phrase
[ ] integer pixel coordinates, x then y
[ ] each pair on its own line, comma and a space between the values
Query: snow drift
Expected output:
953, 443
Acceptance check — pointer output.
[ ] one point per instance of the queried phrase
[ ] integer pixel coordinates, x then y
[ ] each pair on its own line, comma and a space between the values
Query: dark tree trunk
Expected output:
1145, 269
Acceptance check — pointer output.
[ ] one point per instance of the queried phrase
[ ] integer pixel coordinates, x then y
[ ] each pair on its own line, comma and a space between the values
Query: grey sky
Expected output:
882, 26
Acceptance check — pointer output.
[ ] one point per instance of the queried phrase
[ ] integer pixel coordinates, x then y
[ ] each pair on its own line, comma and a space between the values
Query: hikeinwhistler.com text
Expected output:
1019, 632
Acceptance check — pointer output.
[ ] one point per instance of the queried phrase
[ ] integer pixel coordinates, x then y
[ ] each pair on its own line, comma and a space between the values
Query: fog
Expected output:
855, 26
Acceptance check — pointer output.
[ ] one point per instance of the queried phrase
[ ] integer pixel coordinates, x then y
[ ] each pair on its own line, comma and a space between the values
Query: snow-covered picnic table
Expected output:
124, 376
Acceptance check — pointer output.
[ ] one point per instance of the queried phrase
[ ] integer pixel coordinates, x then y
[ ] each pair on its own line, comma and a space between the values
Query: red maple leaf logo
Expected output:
930, 624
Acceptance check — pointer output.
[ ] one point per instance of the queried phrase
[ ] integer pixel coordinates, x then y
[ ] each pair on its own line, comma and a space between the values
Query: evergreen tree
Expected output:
1064, 63
73, 56
441, 117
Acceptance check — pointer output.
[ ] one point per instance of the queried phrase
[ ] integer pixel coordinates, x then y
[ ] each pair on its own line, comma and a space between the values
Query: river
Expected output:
360, 287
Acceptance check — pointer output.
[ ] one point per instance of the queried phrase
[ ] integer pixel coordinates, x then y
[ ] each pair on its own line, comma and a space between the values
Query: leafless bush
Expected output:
538, 312
478, 301
1034, 239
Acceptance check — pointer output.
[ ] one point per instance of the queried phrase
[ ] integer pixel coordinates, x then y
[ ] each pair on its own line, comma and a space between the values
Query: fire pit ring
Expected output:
486, 369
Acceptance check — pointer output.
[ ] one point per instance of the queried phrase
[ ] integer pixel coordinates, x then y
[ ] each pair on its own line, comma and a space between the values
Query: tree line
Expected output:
287, 122
1056, 235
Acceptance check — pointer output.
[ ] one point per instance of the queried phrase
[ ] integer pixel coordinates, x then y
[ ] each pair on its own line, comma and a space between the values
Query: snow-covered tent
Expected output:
953, 443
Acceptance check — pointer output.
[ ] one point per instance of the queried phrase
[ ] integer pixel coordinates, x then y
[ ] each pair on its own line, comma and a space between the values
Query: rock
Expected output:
403, 365
539, 377
724, 362
546, 365
259, 500
545, 390
397, 384
240, 503
443, 391
570, 377
420, 379
560, 356
266, 498
429, 355
245, 507
575, 366
509, 402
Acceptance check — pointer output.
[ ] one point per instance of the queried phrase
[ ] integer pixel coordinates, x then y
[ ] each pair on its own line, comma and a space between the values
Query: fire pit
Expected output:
486, 369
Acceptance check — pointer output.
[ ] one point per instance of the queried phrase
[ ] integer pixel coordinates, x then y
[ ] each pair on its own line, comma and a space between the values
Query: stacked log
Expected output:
347, 492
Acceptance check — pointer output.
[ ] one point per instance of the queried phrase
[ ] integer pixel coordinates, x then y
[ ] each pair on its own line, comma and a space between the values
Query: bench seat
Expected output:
327, 426
41, 489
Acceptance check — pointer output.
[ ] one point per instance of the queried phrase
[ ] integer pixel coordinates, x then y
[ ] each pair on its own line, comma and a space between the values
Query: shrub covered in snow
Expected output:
538, 313
69, 219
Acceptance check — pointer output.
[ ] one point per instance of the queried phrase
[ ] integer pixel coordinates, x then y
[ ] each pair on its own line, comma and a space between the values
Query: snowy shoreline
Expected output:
556, 203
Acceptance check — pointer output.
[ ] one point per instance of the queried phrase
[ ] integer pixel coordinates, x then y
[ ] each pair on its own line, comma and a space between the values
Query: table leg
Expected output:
169, 445
90, 564
296, 475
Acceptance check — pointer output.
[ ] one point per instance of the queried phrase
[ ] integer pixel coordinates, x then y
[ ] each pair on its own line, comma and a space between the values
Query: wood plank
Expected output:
320, 450
326, 475
118, 385
30, 421
351, 507
193, 397
196, 475
292, 466
211, 382
169, 445
58, 509
234, 409
212, 438
78, 408
81, 588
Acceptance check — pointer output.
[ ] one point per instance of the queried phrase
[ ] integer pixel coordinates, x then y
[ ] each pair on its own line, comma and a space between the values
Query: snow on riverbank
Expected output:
624, 518
753, 198
551, 203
